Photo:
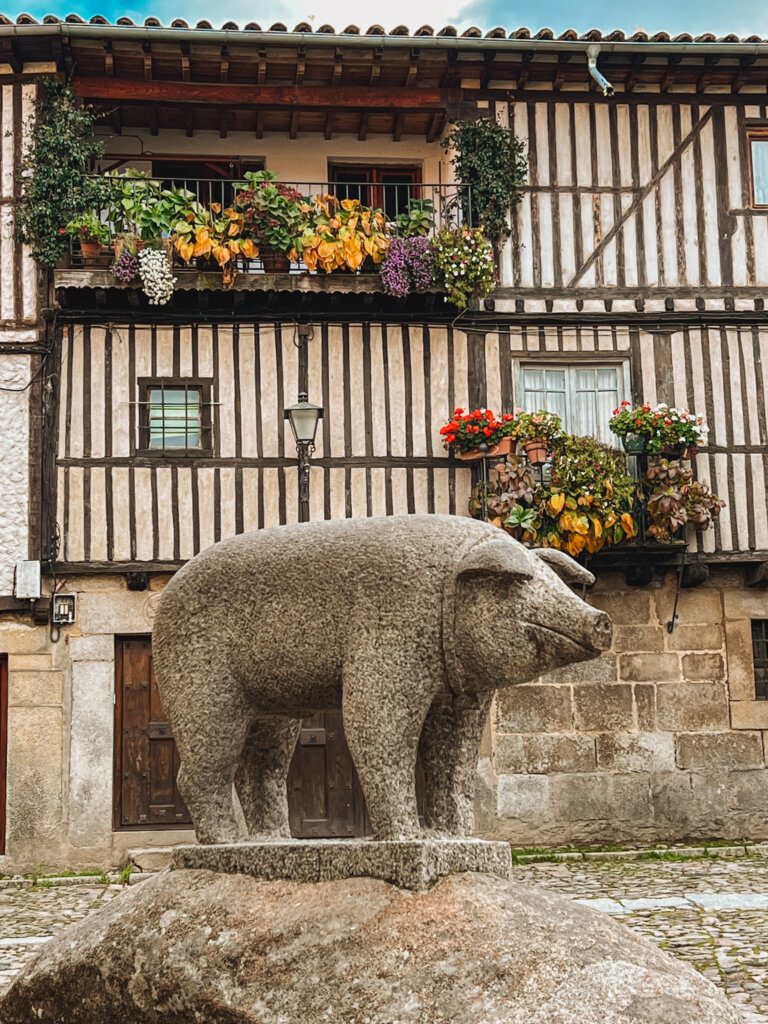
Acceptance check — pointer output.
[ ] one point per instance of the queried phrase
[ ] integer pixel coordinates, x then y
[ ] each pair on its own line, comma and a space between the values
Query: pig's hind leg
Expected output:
261, 776
449, 744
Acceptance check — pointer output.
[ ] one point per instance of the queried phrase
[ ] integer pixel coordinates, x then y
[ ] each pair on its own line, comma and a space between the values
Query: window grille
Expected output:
583, 396
760, 657
174, 417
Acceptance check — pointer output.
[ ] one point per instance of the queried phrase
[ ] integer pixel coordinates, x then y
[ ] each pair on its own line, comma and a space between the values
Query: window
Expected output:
760, 656
389, 188
758, 152
583, 396
175, 417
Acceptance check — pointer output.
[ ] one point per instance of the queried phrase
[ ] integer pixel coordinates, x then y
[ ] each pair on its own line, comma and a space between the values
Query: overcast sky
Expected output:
744, 17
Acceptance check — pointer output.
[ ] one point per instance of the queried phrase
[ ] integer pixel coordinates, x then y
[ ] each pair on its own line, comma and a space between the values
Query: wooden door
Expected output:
324, 795
3, 744
146, 760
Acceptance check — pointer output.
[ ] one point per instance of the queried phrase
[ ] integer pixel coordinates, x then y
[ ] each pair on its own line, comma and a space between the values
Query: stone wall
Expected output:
660, 738
14, 474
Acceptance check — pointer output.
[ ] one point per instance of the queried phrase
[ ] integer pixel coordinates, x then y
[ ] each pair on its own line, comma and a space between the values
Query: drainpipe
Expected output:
605, 85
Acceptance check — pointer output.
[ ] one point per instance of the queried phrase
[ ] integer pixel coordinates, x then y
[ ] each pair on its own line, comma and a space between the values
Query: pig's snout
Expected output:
600, 631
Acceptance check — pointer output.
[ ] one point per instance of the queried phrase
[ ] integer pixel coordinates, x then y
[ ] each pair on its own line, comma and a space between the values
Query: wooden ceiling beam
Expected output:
224, 123
397, 127
189, 122
185, 62
670, 74
224, 65
301, 65
293, 129
525, 70
362, 134
634, 73
9, 55
557, 81
259, 124
436, 126
328, 129
338, 57
109, 60
706, 76
742, 77
378, 53
147, 49
271, 96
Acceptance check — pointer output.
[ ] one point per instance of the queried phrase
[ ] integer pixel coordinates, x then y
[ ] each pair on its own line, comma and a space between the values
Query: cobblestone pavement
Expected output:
711, 912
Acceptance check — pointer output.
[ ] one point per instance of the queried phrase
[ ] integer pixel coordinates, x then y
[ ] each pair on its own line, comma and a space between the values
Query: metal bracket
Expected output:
681, 569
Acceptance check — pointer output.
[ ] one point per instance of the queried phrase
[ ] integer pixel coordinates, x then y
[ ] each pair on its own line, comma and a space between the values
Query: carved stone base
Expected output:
414, 864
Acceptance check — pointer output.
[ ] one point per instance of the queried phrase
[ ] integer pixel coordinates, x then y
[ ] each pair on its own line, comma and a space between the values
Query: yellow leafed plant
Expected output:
342, 233
211, 233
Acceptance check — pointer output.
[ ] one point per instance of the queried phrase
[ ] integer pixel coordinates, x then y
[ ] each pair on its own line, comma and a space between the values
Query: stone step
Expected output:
155, 858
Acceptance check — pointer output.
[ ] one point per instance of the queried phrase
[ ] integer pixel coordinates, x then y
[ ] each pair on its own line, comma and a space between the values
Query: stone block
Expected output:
692, 707
34, 773
746, 604
694, 606
525, 797
28, 662
741, 665
626, 608
728, 750
638, 668
119, 612
747, 792
636, 752
645, 706
601, 796
159, 580
674, 807
544, 753
92, 744
16, 638
749, 714
599, 670
705, 637
603, 707
92, 648
35, 688
535, 708
414, 864
485, 795
703, 666
632, 639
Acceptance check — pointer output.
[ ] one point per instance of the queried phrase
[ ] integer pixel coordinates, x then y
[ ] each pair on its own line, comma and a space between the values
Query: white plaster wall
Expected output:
14, 466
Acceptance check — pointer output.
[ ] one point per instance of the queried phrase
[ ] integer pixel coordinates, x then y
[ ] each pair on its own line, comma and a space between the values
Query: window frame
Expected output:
755, 134
205, 386
759, 663
557, 361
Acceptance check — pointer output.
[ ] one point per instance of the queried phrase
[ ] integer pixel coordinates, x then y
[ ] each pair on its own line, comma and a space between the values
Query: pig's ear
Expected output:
566, 567
502, 557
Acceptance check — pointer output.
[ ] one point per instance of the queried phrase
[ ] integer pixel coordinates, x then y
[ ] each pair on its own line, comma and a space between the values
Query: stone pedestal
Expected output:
414, 864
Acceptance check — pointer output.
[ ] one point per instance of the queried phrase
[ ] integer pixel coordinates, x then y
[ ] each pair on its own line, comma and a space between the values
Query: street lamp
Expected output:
304, 417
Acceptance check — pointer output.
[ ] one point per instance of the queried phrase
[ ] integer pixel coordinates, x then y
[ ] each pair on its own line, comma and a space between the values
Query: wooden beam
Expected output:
117, 121
757, 575
293, 130
488, 58
147, 48
742, 77
338, 57
224, 122
378, 53
224, 65
362, 134
670, 74
436, 125
109, 62
189, 122
270, 96
413, 68
185, 62
328, 129
259, 124
525, 70
153, 121
706, 77
397, 127
634, 75
557, 82
9, 55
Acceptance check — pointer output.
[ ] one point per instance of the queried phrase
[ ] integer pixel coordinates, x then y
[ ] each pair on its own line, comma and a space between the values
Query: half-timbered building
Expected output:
637, 269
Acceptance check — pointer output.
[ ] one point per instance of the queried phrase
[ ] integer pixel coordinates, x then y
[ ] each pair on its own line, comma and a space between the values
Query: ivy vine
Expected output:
493, 162
53, 177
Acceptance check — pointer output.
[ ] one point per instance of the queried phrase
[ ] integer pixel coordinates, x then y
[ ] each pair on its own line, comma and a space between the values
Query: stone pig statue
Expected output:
407, 623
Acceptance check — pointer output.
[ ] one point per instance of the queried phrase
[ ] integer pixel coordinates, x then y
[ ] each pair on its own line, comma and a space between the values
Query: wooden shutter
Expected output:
146, 759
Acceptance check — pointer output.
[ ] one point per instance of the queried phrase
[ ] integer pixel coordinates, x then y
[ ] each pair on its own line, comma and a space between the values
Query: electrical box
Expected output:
26, 581
63, 609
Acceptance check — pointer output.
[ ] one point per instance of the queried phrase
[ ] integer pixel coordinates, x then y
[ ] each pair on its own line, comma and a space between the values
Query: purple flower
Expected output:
408, 266
126, 267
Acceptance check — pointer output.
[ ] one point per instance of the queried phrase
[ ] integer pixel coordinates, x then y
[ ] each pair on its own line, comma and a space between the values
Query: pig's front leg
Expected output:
449, 745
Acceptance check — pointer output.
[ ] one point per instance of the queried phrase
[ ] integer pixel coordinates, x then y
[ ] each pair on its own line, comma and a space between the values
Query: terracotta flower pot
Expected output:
536, 452
690, 452
90, 250
504, 447
275, 262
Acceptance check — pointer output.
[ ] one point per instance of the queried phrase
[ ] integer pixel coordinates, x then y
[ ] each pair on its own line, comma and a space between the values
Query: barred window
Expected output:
760, 657
175, 417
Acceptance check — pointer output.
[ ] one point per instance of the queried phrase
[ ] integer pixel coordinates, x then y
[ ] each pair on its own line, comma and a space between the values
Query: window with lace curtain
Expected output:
583, 395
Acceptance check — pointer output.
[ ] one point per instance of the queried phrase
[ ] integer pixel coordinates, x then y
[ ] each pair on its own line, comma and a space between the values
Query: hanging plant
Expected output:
493, 162
407, 266
157, 279
55, 186
463, 264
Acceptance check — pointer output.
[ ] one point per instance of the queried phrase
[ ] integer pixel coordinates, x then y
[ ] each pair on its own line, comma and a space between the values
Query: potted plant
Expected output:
88, 229
338, 234
464, 264
407, 266
675, 499
472, 435
417, 220
272, 218
657, 429
535, 431
209, 232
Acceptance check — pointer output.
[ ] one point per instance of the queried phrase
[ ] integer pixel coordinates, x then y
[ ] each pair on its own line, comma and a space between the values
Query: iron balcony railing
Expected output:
446, 206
